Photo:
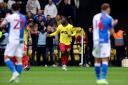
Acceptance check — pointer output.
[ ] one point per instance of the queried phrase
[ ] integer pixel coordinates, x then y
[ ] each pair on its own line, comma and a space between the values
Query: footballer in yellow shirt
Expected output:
66, 32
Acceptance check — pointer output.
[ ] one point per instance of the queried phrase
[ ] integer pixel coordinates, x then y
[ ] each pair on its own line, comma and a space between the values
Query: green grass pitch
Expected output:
56, 76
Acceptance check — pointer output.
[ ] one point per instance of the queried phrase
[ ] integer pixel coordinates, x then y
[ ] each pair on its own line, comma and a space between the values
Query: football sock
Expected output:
19, 68
10, 65
97, 70
104, 69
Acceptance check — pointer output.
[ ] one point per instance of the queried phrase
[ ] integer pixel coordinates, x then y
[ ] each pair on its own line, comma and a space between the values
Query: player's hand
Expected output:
47, 35
115, 21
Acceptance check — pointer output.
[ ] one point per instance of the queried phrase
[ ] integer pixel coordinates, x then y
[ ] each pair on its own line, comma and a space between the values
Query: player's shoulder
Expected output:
109, 17
46, 6
98, 15
60, 26
70, 26
22, 15
8, 15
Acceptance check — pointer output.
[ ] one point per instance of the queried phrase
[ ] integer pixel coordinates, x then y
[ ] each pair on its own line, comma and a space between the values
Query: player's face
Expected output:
108, 10
50, 2
66, 1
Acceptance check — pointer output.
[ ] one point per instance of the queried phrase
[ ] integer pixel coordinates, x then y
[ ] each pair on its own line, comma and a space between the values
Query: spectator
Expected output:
1, 1
29, 16
34, 35
89, 47
65, 9
57, 2
75, 3
22, 4
51, 21
120, 45
2, 10
41, 48
3, 42
43, 3
10, 3
40, 13
49, 44
58, 20
33, 5
50, 9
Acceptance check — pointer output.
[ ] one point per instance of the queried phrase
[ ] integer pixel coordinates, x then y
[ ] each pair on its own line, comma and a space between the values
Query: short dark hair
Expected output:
15, 7
64, 21
105, 6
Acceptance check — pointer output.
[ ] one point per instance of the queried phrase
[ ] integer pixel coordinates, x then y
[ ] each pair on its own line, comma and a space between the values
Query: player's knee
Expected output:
97, 64
97, 60
19, 60
6, 58
105, 62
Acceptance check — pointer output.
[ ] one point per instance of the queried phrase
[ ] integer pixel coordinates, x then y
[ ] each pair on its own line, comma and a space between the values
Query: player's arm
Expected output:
3, 23
55, 33
112, 24
112, 31
73, 32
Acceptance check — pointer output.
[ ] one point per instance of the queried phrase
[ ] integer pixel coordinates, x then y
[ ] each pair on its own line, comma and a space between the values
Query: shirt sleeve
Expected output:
45, 11
111, 23
73, 31
56, 32
94, 23
38, 5
6, 20
55, 11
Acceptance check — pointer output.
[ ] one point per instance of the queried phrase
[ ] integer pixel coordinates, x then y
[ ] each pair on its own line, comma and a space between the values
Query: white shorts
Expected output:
102, 50
14, 50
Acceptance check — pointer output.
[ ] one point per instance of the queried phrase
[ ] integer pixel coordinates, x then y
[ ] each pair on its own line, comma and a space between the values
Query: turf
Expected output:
55, 76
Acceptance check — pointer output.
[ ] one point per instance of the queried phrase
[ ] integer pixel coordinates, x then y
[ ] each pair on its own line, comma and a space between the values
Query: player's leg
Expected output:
19, 64
63, 56
25, 59
104, 68
25, 62
9, 52
68, 48
97, 66
19, 54
105, 53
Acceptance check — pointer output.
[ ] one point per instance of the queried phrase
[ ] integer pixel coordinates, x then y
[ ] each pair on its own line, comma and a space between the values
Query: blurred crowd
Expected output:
43, 16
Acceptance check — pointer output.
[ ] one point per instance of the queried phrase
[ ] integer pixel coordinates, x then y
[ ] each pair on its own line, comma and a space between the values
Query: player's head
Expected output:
64, 21
106, 8
15, 7
50, 2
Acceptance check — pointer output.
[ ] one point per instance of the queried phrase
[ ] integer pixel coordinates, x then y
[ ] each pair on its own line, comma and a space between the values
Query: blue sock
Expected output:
10, 65
97, 70
104, 70
19, 68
